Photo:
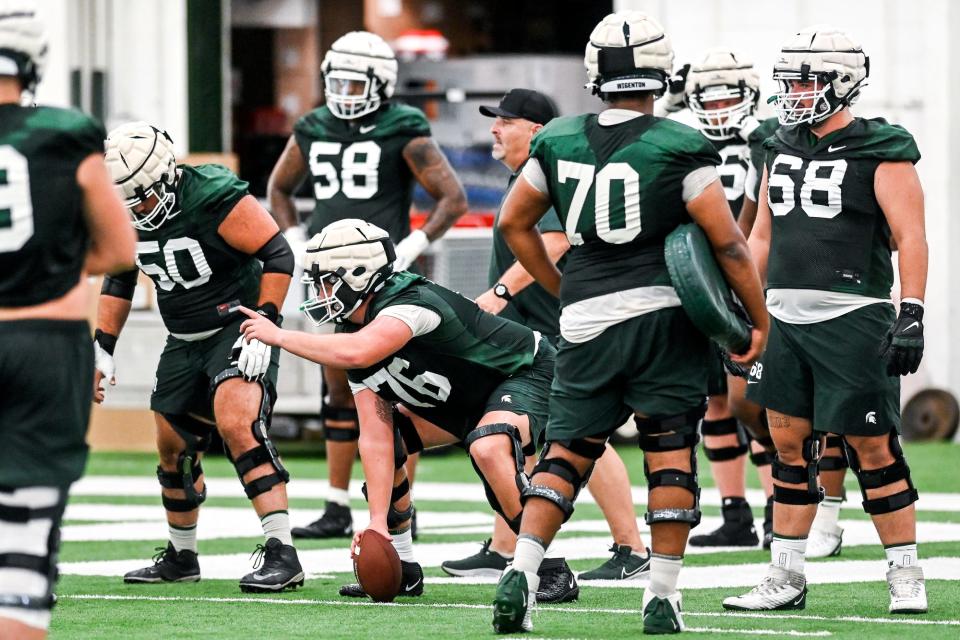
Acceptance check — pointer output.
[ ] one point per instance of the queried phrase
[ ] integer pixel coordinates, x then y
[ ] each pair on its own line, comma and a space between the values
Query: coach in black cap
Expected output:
523, 104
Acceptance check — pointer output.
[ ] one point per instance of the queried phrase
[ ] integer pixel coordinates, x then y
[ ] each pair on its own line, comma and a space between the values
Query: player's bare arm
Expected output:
287, 176
370, 345
900, 196
519, 216
747, 217
759, 241
250, 229
711, 211
434, 173
376, 454
516, 278
113, 242
113, 309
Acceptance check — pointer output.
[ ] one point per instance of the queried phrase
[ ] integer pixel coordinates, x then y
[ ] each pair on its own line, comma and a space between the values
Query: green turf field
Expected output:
103, 538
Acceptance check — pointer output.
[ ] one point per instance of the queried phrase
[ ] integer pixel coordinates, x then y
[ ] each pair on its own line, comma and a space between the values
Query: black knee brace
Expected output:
395, 517
799, 474
672, 433
724, 427
339, 414
834, 463
563, 470
197, 436
876, 478
14, 558
408, 433
518, 457
263, 453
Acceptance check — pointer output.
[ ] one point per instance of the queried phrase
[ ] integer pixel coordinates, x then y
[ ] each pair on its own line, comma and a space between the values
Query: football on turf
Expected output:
377, 566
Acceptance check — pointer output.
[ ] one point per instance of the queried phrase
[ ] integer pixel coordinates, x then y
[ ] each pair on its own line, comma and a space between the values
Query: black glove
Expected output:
902, 347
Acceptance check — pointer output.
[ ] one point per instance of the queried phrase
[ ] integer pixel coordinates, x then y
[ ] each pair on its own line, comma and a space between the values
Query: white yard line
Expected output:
460, 491
778, 617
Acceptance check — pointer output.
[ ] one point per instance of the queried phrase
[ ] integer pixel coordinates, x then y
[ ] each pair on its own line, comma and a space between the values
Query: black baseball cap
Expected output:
523, 103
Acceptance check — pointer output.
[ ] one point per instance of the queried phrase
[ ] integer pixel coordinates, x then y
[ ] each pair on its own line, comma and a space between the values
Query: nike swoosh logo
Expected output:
629, 574
911, 326
571, 583
411, 587
367, 128
260, 578
830, 149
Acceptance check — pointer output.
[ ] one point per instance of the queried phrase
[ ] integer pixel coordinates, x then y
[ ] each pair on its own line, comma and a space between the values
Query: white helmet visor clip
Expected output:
721, 123
351, 94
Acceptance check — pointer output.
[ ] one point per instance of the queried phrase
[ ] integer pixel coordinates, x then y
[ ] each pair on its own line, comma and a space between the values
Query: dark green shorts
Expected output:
716, 374
654, 364
187, 368
831, 373
46, 377
528, 393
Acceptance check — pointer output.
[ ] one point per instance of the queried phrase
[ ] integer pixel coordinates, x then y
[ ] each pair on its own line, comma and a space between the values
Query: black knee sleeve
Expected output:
265, 452
876, 478
521, 478
799, 474
724, 427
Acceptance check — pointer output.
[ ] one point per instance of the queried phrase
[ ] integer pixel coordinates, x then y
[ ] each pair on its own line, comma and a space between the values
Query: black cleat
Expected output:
557, 582
624, 565
280, 569
169, 565
336, 522
411, 583
737, 529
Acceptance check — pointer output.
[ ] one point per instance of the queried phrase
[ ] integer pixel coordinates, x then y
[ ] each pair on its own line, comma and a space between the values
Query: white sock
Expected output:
664, 571
788, 553
527, 558
338, 496
403, 543
185, 538
277, 525
828, 514
902, 555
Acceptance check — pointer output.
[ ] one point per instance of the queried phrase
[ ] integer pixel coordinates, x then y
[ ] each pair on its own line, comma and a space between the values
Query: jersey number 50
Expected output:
358, 170
16, 208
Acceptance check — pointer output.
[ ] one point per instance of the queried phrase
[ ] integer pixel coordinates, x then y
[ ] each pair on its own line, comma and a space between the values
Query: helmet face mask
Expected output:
350, 94
722, 122
151, 207
806, 106
333, 299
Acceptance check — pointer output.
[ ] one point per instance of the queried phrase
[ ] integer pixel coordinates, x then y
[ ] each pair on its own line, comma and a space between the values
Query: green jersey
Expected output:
43, 232
191, 265
357, 166
734, 162
828, 231
618, 190
755, 171
447, 373
534, 306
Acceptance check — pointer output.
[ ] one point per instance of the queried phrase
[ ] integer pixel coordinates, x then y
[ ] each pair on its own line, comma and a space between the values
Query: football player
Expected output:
203, 238
620, 182
427, 368
722, 91
363, 155
836, 193
60, 221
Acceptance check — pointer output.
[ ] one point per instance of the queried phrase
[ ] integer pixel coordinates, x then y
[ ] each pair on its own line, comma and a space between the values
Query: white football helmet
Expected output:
23, 43
359, 73
628, 51
142, 164
830, 59
722, 75
347, 261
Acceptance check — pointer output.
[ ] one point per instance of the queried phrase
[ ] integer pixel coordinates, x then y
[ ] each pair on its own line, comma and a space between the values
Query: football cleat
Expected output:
512, 605
662, 615
780, 590
624, 565
411, 583
824, 543
908, 592
280, 569
169, 565
336, 522
557, 582
737, 529
484, 563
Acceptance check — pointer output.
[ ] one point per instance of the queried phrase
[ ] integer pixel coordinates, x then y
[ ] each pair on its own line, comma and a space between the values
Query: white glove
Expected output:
409, 249
104, 363
254, 358
296, 237
746, 126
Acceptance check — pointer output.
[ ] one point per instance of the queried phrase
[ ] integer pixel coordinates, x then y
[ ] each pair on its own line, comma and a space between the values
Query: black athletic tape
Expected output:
276, 255
107, 341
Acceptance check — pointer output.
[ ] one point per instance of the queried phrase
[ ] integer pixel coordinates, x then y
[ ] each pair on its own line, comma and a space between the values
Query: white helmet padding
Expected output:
358, 59
346, 262
23, 43
628, 51
142, 164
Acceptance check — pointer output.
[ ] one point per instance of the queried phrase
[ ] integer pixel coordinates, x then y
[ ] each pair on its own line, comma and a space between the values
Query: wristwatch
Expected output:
500, 290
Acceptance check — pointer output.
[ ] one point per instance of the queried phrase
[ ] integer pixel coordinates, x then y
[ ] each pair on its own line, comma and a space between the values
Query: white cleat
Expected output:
824, 543
662, 615
908, 592
780, 590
